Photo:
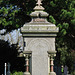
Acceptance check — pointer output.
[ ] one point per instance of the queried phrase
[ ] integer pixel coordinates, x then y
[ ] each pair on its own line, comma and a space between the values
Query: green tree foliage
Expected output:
13, 14
62, 13
17, 73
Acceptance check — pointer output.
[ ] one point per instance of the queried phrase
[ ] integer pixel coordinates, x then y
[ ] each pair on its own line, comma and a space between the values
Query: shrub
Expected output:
73, 73
17, 73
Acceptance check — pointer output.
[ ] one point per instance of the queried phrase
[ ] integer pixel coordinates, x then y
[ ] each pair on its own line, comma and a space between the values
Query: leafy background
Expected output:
15, 13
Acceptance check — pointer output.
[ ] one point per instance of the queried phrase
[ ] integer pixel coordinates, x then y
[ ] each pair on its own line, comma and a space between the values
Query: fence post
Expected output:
5, 65
8, 73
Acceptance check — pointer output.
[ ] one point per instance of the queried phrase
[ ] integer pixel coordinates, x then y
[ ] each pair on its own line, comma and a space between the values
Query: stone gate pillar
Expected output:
39, 37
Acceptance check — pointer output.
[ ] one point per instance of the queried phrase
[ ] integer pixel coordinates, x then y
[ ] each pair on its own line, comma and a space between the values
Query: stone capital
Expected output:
27, 54
51, 54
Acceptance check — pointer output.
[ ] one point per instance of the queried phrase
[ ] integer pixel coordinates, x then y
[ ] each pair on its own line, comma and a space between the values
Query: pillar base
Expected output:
52, 73
26, 73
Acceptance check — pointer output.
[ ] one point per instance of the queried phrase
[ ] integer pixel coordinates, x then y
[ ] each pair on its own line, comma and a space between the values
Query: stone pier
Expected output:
39, 38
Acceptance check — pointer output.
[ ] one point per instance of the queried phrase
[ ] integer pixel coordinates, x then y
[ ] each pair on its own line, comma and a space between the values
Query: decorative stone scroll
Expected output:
27, 55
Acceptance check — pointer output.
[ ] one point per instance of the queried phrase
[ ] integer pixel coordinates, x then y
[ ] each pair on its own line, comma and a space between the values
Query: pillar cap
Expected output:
38, 10
52, 52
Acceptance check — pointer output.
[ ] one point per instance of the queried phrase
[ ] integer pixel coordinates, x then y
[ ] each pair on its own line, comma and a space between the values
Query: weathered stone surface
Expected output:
26, 73
52, 73
39, 28
47, 42
39, 37
39, 47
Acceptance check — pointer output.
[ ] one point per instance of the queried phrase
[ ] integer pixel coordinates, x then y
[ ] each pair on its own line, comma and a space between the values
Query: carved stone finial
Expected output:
39, 13
38, 6
39, 2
